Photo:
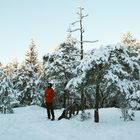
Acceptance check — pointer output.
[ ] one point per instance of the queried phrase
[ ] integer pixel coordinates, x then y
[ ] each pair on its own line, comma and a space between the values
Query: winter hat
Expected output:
50, 84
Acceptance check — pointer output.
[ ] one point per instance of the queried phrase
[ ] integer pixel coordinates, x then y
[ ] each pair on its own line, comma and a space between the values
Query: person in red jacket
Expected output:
49, 98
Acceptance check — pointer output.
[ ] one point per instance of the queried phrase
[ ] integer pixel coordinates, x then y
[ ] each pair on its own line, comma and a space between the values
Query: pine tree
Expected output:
6, 94
111, 71
128, 39
60, 65
31, 57
30, 78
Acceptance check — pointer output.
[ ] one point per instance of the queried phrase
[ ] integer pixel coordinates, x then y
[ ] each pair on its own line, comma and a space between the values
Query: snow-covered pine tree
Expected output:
111, 69
6, 92
15, 72
31, 78
32, 58
135, 89
60, 65
125, 68
128, 39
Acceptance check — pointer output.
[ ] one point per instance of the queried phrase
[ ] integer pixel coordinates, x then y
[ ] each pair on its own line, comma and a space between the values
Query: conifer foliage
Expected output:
31, 77
107, 76
59, 66
21, 84
113, 72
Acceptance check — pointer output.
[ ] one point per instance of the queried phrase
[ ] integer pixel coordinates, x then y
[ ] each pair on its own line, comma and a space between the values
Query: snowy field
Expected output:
30, 123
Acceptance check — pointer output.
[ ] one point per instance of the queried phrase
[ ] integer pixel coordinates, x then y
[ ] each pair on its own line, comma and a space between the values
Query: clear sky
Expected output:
47, 21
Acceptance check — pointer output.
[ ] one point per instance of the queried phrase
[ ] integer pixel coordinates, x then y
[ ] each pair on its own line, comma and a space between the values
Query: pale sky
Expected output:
47, 21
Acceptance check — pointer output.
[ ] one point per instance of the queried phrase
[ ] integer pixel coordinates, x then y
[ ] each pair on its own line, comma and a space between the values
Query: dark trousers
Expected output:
50, 111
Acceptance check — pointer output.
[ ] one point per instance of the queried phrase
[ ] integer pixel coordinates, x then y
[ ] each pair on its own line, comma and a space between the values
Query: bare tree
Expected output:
81, 29
82, 41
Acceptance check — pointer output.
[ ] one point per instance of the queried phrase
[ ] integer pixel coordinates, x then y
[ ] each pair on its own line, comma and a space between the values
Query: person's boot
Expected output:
53, 118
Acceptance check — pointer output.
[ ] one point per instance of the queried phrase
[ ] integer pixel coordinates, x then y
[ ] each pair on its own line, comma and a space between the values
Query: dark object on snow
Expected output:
50, 111
63, 115
69, 111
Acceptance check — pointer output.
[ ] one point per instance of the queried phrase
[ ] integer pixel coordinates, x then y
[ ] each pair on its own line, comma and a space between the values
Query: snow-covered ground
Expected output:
30, 123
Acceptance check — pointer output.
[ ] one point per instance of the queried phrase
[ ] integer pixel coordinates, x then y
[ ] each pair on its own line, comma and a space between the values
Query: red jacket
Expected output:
49, 95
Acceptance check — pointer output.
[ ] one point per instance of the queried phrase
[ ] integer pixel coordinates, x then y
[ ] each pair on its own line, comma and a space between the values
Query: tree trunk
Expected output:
96, 111
82, 100
64, 100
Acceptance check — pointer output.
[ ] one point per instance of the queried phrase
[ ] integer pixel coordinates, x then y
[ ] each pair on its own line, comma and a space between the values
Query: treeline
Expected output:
115, 70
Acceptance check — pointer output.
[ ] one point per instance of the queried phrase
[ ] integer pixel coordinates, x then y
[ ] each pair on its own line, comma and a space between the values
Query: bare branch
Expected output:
74, 30
89, 41
84, 16
75, 22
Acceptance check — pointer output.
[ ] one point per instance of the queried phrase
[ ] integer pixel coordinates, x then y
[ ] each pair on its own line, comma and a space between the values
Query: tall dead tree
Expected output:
82, 41
81, 29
